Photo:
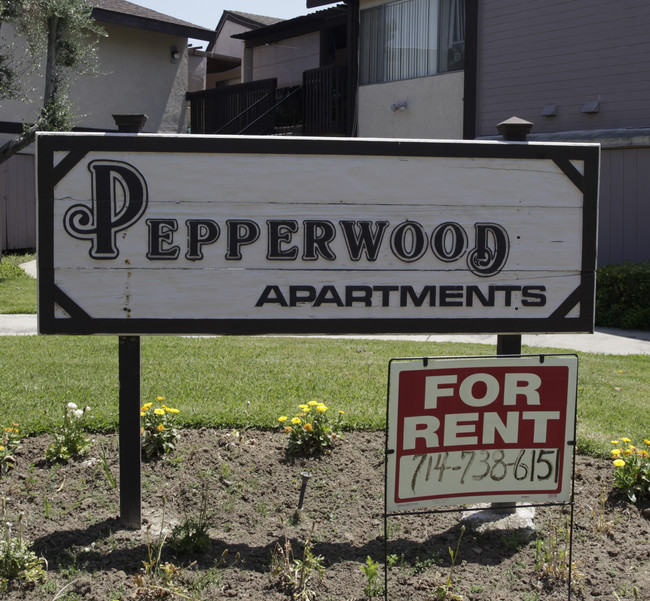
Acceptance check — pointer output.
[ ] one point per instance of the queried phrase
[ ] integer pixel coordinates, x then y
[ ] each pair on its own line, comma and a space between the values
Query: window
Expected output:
411, 38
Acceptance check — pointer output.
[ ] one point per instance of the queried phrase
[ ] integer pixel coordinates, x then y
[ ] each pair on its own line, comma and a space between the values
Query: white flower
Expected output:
78, 413
72, 406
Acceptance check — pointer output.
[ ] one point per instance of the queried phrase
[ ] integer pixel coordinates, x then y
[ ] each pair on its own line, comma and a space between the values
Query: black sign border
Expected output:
78, 145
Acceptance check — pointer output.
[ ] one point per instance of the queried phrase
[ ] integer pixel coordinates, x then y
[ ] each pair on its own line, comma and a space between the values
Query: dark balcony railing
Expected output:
231, 109
318, 107
325, 98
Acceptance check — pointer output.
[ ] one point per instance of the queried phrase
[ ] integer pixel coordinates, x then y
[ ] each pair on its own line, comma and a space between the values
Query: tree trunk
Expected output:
26, 138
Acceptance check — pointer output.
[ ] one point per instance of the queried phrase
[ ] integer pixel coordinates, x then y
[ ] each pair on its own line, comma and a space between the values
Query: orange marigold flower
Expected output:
308, 427
160, 428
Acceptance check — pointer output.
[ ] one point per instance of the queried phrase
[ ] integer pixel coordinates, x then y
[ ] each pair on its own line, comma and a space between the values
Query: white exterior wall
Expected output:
286, 60
226, 45
435, 105
434, 108
137, 76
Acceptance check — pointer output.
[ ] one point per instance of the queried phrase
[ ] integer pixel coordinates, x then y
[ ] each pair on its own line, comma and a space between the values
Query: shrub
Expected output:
311, 430
9, 444
70, 440
622, 293
632, 475
159, 436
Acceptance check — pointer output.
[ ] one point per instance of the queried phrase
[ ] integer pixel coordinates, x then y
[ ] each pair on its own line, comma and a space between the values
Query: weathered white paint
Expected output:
434, 108
536, 204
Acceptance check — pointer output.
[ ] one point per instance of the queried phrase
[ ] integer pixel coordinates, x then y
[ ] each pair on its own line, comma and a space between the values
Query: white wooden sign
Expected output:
488, 429
187, 234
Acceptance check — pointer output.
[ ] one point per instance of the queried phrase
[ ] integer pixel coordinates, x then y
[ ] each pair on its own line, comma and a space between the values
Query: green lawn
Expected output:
249, 382
17, 289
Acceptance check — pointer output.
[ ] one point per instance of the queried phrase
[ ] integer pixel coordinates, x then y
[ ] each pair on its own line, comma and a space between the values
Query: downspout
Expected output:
353, 65
470, 83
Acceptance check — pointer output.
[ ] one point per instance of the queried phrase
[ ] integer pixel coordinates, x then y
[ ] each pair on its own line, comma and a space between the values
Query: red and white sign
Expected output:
488, 429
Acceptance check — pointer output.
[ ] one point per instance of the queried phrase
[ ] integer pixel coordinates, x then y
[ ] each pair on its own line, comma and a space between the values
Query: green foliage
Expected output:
632, 469
552, 552
622, 296
191, 535
294, 575
70, 440
371, 570
9, 271
9, 444
311, 430
62, 35
159, 436
17, 561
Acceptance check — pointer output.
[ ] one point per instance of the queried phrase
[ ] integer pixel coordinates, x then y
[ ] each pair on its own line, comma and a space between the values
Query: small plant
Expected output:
312, 430
552, 553
70, 440
632, 474
9, 444
371, 570
17, 561
103, 462
159, 436
445, 592
191, 536
157, 579
294, 575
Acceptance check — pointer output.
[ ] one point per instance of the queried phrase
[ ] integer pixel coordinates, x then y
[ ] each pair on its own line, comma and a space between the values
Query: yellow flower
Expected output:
312, 403
283, 418
619, 462
341, 412
321, 408
9, 429
171, 410
303, 414
160, 428
627, 452
142, 414
615, 441
616, 452
288, 430
643, 453
303, 407
296, 420
141, 431
308, 427
160, 398
159, 411
646, 441
626, 439
2, 448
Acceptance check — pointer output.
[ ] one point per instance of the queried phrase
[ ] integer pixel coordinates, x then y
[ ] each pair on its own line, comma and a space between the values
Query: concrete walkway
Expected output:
609, 341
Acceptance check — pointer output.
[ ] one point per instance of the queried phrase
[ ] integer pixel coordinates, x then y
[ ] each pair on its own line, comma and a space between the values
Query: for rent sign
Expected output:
187, 234
481, 429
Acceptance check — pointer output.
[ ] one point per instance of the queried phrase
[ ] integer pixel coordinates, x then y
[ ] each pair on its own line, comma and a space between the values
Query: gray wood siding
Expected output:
567, 53
17, 203
624, 214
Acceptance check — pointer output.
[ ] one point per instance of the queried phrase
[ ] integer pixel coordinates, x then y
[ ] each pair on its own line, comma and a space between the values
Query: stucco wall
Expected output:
137, 76
287, 59
434, 108
227, 46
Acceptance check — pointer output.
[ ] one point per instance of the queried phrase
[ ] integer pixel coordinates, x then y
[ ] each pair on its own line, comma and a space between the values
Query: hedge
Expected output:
623, 296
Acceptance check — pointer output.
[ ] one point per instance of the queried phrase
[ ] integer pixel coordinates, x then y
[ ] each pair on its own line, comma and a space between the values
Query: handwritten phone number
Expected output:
523, 465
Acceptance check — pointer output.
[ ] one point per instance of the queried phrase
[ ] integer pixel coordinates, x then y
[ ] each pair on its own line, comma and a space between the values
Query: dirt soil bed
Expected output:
71, 516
